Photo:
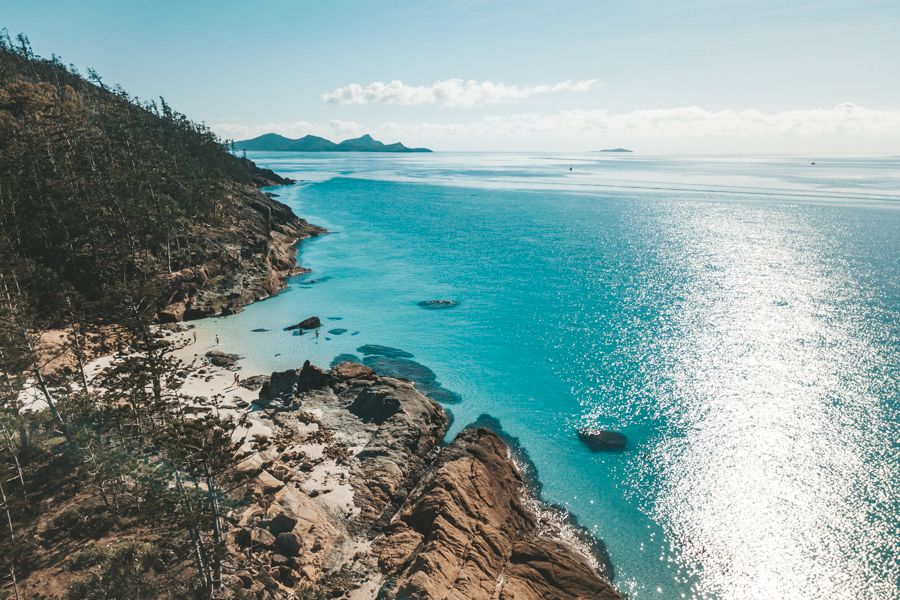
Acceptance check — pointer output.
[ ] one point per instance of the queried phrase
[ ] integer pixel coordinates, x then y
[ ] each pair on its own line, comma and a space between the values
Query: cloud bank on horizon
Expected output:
579, 129
448, 93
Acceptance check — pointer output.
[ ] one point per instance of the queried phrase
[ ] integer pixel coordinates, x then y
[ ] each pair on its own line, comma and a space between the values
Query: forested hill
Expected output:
272, 142
107, 200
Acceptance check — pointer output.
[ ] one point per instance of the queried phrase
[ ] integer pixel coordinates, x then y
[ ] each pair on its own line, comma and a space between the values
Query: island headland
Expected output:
273, 142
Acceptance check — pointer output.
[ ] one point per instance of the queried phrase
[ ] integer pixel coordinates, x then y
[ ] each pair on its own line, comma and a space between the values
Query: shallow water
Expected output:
737, 319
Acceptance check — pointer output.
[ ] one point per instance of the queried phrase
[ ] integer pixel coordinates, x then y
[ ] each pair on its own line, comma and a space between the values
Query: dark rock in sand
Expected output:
601, 439
255, 382
282, 385
438, 304
310, 323
337, 331
377, 350
222, 359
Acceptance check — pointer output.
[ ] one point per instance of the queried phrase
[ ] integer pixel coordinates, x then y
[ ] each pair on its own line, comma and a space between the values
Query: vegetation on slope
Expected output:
118, 489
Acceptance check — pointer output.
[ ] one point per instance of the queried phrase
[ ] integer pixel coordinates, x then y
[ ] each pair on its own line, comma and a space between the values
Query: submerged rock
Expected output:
602, 439
378, 350
337, 331
309, 323
424, 378
438, 304
343, 358
259, 330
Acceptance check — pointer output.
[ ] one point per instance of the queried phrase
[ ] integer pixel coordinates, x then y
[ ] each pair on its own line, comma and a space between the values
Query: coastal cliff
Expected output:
354, 496
251, 254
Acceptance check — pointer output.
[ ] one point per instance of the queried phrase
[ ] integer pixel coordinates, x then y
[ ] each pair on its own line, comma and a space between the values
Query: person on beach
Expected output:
217, 339
237, 379
195, 337
317, 333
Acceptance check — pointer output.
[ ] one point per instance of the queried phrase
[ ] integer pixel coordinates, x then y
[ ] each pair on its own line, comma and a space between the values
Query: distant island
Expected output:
616, 150
272, 142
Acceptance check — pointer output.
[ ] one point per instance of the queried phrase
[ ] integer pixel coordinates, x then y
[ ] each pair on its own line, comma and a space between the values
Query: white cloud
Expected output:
455, 93
846, 127
690, 121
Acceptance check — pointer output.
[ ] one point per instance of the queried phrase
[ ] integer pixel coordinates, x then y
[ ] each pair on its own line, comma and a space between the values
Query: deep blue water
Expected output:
737, 319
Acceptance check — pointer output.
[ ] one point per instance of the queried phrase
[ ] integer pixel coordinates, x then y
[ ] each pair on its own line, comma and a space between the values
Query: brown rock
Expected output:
288, 543
478, 538
282, 523
352, 370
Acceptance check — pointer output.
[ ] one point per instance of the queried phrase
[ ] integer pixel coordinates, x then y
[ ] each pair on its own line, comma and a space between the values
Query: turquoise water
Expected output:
737, 319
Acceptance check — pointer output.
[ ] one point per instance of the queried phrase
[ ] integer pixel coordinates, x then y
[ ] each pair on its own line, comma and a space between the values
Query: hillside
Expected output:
272, 142
102, 193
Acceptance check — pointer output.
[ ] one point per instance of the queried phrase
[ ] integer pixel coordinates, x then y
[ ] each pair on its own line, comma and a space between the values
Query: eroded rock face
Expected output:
352, 496
251, 253
466, 533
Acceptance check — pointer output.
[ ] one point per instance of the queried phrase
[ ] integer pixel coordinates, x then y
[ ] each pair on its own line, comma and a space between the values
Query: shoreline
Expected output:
555, 521
347, 478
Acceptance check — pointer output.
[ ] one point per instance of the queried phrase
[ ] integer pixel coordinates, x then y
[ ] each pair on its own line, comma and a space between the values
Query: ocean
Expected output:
738, 319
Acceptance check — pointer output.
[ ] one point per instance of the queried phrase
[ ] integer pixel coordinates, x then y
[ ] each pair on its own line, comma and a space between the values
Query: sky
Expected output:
694, 76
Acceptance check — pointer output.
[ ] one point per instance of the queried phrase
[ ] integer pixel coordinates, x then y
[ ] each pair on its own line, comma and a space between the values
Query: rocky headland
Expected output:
351, 493
253, 252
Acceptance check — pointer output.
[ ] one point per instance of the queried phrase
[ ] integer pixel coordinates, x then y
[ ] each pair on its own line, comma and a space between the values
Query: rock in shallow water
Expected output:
424, 378
438, 304
310, 323
376, 349
602, 439
337, 331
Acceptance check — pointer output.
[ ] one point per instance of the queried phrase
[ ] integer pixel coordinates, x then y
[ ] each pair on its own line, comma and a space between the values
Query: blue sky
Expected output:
691, 76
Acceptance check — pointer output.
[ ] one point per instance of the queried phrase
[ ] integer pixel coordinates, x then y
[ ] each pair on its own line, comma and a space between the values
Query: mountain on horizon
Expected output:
273, 142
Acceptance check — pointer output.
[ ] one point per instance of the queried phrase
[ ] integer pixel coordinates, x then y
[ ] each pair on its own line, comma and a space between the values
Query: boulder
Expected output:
310, 323
375, 406
352, 370
602, 439
282, 523
282, 385
312, 378
288, 543
222, 359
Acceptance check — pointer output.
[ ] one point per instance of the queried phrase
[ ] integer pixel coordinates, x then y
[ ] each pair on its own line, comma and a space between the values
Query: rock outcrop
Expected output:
602, 439
466, 532
351, 495
251, 253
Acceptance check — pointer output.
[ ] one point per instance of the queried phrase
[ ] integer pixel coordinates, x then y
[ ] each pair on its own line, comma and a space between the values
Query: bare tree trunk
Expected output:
15, 455
202, 565
12, 537
217, 528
